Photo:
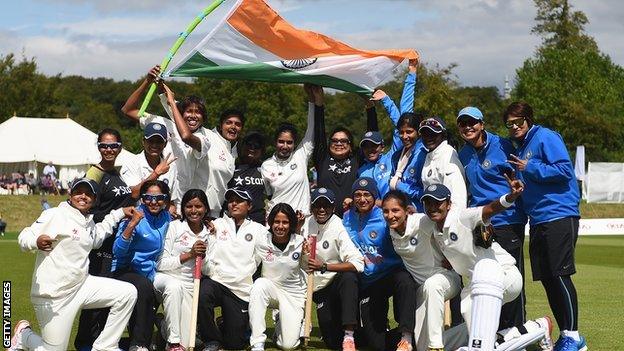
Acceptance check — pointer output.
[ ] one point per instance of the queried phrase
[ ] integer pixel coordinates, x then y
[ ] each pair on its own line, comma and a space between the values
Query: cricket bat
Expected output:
310, 289
199, 261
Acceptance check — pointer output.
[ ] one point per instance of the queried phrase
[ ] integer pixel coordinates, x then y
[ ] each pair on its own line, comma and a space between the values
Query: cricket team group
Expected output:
409, 223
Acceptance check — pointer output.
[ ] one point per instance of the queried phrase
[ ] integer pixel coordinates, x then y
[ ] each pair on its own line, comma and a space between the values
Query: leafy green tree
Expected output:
561, 27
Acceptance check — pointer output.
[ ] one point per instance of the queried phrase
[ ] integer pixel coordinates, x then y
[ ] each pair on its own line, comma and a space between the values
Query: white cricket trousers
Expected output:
266, 294
431, 296
56, 316
177, 298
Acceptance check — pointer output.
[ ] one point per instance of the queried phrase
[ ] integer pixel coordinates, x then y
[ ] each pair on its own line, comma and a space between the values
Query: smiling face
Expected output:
193, 117
109, 153
470, 129
281, 228
371, 150
250, 154
364, 201
408, 135
339, 145
517, 126
395, 214
157, 202
284, 145
82, 198
231, 128
437, 210
431, 139
238, 208
154, 145
322, 210
195, 211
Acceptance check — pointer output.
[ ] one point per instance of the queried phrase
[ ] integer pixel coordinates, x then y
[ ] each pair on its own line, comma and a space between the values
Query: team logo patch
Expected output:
453, 236
529, 154
432, 187
299, 63
248, 237
382, 167
363, 182
295, 256
157, 126
476, 343
412, 171
414, 241
429, 173
326, 244
322, 191
293, 166
486, 164
368, 134
373, 234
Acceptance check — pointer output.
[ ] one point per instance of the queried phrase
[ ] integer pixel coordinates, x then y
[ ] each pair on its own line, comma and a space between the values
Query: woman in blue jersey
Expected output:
551, 201
136, 250
383, 276
484, 157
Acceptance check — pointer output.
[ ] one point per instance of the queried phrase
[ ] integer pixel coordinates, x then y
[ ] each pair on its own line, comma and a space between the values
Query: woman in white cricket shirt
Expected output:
205, 156
336, 269
61, 285
282, 284
230, 263
185, 240
286, 172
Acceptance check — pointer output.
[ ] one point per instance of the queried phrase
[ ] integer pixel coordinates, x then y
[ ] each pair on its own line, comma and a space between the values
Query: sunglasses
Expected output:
518, 122
430, 122
112, 146
467, 122
154, 198
340, 141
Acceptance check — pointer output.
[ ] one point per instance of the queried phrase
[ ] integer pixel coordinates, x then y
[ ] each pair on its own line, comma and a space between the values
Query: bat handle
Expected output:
199, 262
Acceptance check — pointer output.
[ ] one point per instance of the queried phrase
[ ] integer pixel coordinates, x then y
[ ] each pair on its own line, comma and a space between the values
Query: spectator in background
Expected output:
47, 184
3, 225
50, 170
32, 182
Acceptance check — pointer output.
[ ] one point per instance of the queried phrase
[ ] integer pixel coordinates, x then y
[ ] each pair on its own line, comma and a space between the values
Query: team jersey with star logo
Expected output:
250, 178
457, 244
230, 256
283, 267
333, 245
179, 240
287, 180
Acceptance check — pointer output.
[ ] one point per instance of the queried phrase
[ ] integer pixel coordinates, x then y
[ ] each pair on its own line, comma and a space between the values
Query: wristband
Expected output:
503, 201
323, 267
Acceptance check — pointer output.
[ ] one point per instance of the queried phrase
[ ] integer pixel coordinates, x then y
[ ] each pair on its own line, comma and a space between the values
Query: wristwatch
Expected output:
323, 268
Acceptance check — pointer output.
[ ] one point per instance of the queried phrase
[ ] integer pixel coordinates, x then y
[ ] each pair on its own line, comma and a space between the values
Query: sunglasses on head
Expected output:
112, 146
152, 198
518, 122
430, 122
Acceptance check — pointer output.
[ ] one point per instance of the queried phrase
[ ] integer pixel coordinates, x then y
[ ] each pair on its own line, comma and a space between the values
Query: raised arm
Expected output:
131, 107
516, 188
407, 97
106, 228
307, 143
184, 131
320, 137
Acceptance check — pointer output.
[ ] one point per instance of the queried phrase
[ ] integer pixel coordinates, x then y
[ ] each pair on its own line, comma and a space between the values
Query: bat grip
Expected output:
199, 262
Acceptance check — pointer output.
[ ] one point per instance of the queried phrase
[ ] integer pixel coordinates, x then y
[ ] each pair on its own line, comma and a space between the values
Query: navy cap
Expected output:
365, 183
436, 191
318, 193
95, 188
471, 112
435, 124
155, 129
374, 137
243, 194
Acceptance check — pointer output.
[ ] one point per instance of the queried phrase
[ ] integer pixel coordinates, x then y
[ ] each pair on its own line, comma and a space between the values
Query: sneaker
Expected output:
566, 343
582, 344
403, 345
175, 347
258, 347
212, 346
546, 343
16, 340
348, 344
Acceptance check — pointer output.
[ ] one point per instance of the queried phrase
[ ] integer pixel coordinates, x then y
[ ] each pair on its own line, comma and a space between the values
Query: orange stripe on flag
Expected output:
264, 27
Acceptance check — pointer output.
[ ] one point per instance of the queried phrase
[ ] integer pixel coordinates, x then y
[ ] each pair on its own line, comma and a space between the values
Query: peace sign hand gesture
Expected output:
163, 166
518, 162
515, 185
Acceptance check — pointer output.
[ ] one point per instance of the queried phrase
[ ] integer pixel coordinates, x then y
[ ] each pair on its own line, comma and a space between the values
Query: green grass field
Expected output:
599, 280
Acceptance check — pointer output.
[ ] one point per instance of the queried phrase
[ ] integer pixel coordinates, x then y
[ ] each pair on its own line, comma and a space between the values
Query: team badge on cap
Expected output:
326, 244
248, 237
413, 241
363, 182
432, 187
157, 126
368, 134
322, 191
453, 236
295, 256
373, 234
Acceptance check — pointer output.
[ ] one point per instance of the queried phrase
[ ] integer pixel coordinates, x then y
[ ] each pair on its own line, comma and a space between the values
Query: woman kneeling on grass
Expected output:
185, 240
61, 285
138, 245
282, 285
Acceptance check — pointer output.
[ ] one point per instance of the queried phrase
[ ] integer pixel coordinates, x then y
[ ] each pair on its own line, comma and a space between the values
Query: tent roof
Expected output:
59, 140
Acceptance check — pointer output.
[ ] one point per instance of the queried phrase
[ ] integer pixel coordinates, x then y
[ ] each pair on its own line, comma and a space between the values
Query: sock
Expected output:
348, 334
573, 334
407, 336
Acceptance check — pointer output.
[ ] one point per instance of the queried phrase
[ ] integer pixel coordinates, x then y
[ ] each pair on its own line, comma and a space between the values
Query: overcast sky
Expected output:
121, 39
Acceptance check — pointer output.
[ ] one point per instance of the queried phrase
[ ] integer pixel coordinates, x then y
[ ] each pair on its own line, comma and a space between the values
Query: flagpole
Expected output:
174, 49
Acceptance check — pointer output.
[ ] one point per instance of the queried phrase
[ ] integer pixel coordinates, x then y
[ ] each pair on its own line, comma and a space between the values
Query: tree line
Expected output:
573, 87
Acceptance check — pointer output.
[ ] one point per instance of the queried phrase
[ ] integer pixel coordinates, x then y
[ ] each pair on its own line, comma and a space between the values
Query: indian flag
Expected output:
253, 42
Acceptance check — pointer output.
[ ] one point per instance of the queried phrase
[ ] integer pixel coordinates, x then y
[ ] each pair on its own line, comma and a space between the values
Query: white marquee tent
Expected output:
27, 144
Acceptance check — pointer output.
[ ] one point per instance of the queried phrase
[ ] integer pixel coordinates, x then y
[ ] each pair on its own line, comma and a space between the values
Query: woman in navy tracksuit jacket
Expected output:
137, 247
551, 200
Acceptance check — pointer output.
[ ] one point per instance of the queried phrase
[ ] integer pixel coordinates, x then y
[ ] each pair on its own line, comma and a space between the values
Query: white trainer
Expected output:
546, 343
16, 340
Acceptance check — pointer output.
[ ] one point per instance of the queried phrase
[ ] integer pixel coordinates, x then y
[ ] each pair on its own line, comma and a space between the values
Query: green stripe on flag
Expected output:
200, 66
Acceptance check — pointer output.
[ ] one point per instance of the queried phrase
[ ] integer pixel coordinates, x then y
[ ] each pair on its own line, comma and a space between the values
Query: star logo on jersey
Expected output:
414, 241
293, 166
238, 180
295, 256
333, 167
248, 237
453, 236
325, 244
373, 234
486, 164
